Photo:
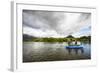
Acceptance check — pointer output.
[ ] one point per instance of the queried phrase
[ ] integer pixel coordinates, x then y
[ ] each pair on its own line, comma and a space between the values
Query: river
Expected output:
43, 51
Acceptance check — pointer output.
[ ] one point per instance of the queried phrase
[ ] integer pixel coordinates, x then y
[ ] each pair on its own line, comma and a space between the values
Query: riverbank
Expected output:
51, 39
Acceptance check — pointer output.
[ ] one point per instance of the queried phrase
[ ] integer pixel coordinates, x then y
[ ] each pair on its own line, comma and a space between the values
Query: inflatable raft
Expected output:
74, 47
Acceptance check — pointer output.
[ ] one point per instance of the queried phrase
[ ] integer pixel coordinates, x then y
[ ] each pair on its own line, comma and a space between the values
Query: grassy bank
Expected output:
81, 39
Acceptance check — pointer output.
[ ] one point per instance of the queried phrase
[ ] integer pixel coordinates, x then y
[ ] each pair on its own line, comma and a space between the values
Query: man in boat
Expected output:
70, 42
74, 45
77, 43
74, 42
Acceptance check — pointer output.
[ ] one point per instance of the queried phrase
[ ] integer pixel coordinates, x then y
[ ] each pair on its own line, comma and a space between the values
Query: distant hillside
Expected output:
27, 37
51, 39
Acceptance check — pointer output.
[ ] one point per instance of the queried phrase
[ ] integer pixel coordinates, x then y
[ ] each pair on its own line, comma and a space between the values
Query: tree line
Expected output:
51, 39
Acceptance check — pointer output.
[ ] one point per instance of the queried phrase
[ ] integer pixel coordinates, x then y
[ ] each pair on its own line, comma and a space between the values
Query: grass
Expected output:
57, 40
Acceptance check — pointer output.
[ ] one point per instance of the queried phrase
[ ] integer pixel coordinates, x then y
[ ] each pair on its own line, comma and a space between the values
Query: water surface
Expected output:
43, 51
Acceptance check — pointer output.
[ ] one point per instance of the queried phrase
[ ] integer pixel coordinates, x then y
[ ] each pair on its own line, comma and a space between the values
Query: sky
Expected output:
56, 24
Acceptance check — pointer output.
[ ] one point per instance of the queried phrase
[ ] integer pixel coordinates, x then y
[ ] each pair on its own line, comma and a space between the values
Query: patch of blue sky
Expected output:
85, 31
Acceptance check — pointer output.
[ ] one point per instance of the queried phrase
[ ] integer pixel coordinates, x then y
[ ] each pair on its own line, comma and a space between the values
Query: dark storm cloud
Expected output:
48, 19
84, 16
50, 23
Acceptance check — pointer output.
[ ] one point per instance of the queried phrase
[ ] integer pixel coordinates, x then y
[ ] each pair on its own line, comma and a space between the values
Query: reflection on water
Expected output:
43, 51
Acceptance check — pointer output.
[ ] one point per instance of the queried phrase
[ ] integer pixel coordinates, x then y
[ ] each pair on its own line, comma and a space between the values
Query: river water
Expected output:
43, 51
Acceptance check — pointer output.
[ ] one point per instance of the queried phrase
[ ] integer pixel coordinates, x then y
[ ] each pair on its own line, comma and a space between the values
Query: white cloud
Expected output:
53, 24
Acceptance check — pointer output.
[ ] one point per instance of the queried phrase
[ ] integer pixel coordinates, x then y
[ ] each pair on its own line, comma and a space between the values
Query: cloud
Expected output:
85, 31
53, 24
